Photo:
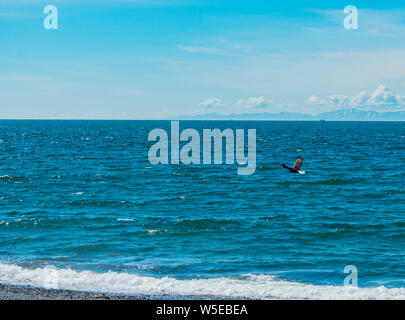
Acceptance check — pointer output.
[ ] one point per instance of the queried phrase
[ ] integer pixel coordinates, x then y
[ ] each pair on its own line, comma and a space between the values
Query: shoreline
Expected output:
23, 292
19, 292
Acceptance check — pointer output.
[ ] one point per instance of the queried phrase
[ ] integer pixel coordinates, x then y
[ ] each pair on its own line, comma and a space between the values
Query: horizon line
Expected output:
174, 119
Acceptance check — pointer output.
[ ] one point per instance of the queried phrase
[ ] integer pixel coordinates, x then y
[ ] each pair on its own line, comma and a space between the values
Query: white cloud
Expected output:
21, 77
360, 99
253, 102
203, 50
316, 100
339, 100
381, 97
212, 103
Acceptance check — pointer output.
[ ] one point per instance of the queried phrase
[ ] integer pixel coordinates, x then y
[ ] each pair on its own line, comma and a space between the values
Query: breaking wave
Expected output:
245, 286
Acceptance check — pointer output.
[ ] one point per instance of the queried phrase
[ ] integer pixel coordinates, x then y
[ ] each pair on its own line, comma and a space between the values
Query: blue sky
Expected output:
156, 59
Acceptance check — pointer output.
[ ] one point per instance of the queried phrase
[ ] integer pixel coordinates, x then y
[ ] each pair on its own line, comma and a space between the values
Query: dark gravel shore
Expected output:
12, 292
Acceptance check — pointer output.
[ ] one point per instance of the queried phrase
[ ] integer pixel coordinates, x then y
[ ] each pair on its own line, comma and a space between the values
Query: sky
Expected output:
156, 59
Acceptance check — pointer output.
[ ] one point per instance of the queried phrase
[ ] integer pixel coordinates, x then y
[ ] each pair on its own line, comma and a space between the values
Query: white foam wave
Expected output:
247, 286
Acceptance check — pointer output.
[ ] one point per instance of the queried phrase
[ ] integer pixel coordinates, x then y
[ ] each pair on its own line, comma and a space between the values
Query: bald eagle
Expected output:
297, 166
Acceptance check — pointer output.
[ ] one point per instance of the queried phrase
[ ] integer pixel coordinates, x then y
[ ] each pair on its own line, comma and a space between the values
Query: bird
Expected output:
297, 166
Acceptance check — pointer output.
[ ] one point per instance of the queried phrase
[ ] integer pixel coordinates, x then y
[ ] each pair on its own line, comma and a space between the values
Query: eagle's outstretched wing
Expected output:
298, 163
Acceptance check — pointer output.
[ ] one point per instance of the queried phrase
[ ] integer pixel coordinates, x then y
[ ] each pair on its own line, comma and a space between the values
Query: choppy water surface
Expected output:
82, 197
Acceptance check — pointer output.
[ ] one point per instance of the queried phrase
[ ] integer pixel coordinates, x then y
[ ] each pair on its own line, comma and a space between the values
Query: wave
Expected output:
244, 286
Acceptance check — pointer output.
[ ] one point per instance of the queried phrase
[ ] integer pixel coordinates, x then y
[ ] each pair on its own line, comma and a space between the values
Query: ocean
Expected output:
81, 207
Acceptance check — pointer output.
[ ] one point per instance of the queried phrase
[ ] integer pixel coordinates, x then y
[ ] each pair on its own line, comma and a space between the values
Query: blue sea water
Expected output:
80, 198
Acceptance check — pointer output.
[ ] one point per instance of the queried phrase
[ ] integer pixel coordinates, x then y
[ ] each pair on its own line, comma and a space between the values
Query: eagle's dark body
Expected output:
297, 165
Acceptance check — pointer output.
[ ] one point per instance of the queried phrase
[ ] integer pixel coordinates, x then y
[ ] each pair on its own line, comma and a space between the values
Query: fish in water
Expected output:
297, 166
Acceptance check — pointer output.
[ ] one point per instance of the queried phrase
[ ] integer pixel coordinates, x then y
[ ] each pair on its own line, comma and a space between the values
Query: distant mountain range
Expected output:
338, 115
